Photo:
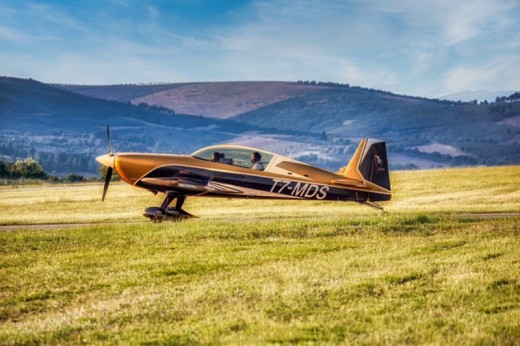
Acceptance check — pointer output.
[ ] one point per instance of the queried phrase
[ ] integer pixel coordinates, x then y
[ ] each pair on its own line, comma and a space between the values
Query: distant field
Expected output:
441, 266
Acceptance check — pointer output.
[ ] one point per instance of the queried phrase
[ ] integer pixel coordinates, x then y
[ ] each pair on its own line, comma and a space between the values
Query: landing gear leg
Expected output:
167, 201
158, 215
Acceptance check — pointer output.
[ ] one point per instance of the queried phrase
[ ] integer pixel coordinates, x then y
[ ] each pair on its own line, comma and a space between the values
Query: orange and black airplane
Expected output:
233, 171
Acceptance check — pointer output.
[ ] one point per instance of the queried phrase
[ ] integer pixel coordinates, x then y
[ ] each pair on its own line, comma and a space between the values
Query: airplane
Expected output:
233, 171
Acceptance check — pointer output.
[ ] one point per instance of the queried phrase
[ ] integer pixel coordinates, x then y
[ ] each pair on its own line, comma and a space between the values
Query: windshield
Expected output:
235, 156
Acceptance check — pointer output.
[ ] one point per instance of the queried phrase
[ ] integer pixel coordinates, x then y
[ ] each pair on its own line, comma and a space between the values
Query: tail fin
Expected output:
370, 164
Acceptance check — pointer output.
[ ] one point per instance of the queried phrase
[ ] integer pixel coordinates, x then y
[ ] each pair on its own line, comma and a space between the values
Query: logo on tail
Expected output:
379, 164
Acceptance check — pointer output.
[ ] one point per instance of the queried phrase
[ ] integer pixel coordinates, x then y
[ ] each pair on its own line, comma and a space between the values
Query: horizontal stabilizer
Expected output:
306, 170
347, 181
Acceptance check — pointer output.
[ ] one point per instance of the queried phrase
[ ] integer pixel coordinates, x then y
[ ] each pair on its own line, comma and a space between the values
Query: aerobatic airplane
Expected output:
233, 171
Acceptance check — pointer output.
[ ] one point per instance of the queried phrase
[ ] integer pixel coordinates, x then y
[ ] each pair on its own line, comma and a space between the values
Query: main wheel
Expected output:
157, 219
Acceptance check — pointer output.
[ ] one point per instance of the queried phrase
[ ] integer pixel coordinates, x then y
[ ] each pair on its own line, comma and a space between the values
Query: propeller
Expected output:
107, 161
107, 182
109, 142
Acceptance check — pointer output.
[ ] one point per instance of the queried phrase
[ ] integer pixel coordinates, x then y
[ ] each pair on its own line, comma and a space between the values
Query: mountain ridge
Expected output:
479, 95
319, 123
66, 130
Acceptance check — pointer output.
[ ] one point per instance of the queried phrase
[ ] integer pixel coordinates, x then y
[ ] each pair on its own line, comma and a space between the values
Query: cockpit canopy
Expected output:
233, 155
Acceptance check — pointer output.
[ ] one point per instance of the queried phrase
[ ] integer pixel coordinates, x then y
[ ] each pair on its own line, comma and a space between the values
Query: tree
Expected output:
514, 97
324, 135
74, 178
5, 169
28, 169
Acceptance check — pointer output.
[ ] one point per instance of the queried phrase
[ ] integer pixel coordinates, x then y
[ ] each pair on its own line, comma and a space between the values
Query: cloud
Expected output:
14, 35
424, 48
78, 68
404, 45
500, 74
55, 16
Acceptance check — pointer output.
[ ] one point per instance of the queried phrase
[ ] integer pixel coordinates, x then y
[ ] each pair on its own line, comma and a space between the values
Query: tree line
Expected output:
511, 98
30, 169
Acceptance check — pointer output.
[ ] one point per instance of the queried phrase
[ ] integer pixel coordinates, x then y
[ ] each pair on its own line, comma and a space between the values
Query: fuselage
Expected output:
197, 175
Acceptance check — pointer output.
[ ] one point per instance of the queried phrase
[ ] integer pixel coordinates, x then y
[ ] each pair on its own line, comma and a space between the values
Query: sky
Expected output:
423, 48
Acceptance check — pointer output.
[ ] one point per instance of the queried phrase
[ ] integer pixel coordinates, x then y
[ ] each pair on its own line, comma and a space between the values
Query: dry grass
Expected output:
256, 272
463, 190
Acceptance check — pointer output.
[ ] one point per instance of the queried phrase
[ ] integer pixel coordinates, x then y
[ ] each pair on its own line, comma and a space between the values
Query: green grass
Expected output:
256, 272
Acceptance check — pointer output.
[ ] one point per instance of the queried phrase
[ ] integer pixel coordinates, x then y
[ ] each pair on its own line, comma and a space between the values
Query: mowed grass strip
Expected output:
317, 276
447, 280
461, 190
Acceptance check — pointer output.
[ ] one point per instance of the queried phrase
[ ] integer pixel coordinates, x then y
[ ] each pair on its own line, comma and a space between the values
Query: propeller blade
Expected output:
109, 142
107, 182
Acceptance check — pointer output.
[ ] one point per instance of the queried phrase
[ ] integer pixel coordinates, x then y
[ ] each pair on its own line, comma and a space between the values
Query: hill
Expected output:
63, 126
122, 93
65, 130
480, 95
421, 133
216, 100
459, 133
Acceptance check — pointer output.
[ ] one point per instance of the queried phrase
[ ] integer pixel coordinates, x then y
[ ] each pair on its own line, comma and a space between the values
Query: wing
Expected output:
187, 179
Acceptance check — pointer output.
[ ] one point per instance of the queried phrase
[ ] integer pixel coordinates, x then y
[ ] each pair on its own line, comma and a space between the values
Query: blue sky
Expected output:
423, 48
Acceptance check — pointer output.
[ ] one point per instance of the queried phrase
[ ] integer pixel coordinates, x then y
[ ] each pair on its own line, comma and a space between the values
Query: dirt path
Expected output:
490, 215
48, 226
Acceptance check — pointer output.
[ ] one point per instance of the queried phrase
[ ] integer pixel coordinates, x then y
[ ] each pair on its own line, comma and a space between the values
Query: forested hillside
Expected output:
421, 132
468, 132
65, 131
64, 126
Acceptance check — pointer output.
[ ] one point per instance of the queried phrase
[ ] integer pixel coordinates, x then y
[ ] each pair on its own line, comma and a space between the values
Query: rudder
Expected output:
370, 163
374, 166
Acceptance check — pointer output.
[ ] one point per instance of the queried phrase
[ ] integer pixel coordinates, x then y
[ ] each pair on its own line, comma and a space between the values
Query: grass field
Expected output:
441, 266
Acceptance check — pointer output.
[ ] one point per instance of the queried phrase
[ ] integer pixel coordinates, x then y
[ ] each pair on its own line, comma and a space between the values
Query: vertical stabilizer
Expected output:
369, 164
